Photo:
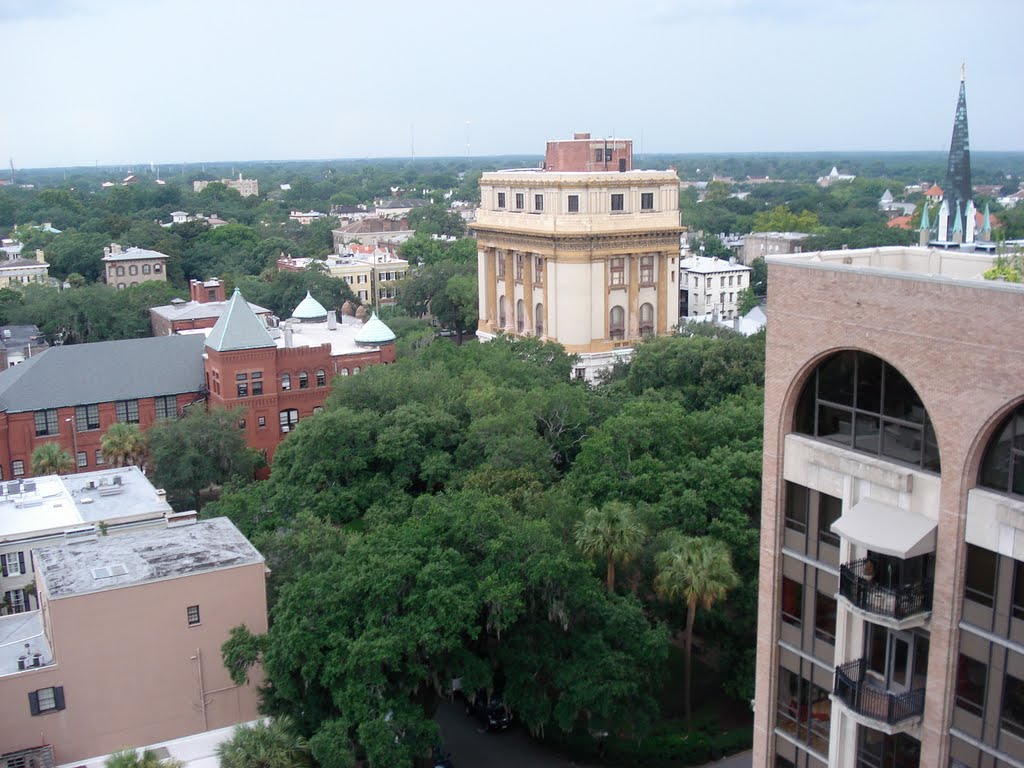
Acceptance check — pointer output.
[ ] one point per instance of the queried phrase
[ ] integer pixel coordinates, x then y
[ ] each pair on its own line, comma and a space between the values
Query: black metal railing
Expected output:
871, 700
857, 584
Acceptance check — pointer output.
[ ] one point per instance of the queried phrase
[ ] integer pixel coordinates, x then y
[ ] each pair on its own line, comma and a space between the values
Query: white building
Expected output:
710, 286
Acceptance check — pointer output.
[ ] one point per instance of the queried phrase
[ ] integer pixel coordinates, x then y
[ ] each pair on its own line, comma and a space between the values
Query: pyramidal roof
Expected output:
239, 328
374, 332
310, 309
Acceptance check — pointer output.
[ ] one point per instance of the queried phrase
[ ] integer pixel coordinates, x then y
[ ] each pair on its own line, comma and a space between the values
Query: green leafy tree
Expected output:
264, 745
437, 219
123, 445
202, 449
145, 758
698, 572
612, 531
51, 459
782, 219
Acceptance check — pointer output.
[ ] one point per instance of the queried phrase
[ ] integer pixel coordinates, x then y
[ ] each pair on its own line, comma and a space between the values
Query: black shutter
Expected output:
21, 561
33, 702
3, 565
58, 697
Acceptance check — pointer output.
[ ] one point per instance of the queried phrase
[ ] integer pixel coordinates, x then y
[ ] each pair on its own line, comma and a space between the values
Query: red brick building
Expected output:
582, 153
203, 311
71, 395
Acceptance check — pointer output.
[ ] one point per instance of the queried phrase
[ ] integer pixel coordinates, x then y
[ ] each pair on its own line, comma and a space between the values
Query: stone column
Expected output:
633, 304
528, 294
490, 322
544, 292
510, 292
665, 293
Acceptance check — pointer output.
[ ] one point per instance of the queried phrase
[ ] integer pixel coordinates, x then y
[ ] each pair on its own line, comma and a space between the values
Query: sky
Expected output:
113, 82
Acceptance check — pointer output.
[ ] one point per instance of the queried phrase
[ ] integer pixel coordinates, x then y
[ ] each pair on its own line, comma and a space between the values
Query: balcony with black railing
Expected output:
858, 584
867, 696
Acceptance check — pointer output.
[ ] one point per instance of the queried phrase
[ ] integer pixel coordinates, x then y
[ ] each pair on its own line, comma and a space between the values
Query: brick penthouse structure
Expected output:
72, 394
891, 619
206, 306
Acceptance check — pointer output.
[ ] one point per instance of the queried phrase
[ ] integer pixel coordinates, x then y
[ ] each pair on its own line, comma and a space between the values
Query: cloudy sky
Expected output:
134, 81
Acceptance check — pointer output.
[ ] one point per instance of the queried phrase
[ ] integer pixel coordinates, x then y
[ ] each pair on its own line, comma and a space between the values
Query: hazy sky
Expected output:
134, 81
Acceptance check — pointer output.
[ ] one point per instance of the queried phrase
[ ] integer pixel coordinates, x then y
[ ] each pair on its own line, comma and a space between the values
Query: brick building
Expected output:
206, 305
125, 650
891, 610
130, 266
72, 394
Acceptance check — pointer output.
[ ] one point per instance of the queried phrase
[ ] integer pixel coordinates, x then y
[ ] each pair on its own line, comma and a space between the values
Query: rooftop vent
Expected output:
109, 571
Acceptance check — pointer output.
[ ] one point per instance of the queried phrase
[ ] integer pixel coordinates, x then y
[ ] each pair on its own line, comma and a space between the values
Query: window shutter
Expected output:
58, 697
21, 561
33, 702
3, 565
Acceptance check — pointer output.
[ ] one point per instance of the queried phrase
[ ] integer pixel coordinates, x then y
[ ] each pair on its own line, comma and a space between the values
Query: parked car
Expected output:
491, 711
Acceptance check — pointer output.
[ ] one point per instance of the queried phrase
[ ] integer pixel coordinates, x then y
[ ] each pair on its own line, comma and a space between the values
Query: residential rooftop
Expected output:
709, 264
134, 254
908, 262
22, 638
53, 504
196, 310
141, 557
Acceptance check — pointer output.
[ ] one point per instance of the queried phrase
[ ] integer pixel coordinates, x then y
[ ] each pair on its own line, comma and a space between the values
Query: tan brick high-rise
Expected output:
891, 624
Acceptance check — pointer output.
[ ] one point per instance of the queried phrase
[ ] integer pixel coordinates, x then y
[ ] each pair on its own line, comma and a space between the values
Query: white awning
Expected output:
887, 530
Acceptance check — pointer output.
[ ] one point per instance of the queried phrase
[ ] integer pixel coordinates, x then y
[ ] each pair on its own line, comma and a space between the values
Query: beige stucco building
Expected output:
585, 258
125, 649
891, 610
130, 266
17, 273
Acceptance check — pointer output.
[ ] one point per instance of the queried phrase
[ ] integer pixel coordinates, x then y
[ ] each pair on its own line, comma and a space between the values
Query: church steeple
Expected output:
957, 188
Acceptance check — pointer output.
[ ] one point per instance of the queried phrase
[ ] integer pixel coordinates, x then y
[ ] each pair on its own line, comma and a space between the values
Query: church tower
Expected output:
957, 188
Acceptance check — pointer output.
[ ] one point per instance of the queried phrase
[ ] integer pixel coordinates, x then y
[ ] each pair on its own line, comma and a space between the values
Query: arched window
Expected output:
355, 371
317, 409
1002, 469
617, 323
646, 319
861, 402
286, 382
303, 380
321, 378
520, 315
501, 311
289, 418
343, 371
538, 320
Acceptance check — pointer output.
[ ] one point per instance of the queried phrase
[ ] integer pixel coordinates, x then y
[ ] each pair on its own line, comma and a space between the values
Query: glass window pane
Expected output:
829, 510
869, 383
1012, 718
835, 379
980, 584
792, 601
866, 433
970, 684
796, 507
902, 442
835, 424
901, 400
825, 618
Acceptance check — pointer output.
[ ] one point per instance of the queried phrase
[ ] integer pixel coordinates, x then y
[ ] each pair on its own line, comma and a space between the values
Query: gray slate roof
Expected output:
239, 328
151, 555
195, 310
133, 254
103, 371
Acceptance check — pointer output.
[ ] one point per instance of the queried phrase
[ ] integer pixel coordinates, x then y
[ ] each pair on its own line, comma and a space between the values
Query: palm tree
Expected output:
265, 745
698, 571
51, 459
147, 758
123, 444
612, 531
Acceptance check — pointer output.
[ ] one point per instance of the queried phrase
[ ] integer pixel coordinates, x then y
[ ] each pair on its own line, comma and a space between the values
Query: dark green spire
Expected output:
957, 189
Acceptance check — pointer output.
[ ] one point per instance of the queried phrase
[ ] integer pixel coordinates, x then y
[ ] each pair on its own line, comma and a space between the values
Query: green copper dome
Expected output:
374, 333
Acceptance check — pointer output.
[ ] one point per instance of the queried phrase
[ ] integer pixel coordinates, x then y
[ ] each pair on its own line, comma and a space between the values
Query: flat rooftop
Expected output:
195, 310
52, 504
907, 262
129, 559
21, 635
342, 338
708, 264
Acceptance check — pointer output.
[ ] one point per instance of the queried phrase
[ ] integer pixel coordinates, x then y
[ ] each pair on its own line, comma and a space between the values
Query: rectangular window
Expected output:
242, 388
1012, 716
261, 422
12, 564
46, 422
980, 584
87, 417
618, 202
797, 502
574, 203
127, 411
519, 267
538, 270
82, 459
647, 270
598, 155
971, 676
166, 407
646, 201
16, 600
618, 271
192, 613
241, 424
520, 201
501, 266
501, 199
257, 387
608, 155
1018, 589
792, 601
829, 510
145, 269
46, 700
18, 468
825, 618
538, 202
100, 461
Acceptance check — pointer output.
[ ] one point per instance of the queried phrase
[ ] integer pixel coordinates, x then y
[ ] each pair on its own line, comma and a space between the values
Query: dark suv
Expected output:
491, 712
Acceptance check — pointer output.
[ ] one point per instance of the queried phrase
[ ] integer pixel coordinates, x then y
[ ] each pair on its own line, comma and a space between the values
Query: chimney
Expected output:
106, 251
40, 256
287, 335
579, 136
332, 320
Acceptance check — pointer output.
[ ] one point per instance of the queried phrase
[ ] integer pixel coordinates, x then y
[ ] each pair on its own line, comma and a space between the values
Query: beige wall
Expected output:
945, 338
115, 279
132, 668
